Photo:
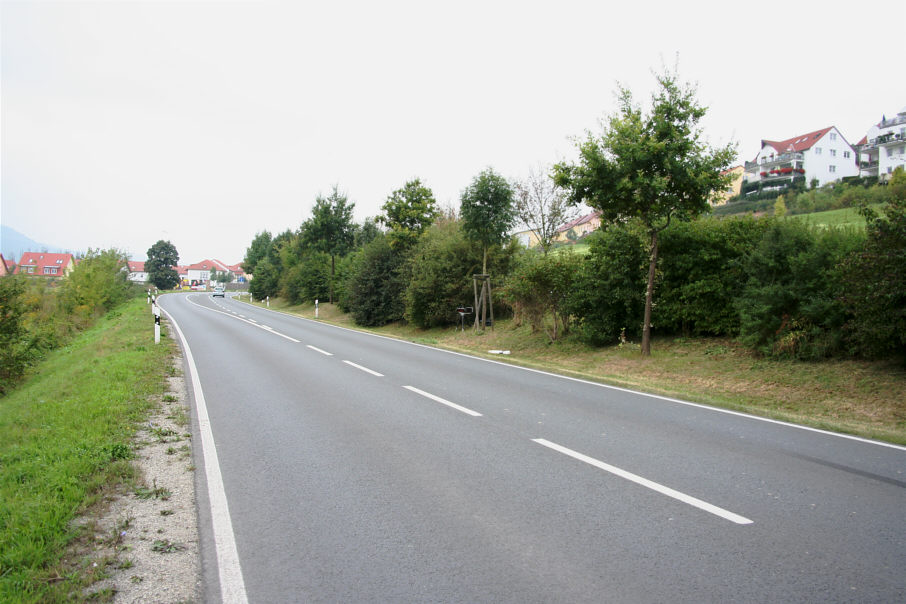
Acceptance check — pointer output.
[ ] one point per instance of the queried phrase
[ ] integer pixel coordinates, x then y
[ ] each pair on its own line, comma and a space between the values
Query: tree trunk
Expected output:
332, 268
646, 328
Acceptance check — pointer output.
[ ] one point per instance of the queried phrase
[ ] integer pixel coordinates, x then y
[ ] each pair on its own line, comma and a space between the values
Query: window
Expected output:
833, 136
833, 152
817, 150
846, 154
832, 169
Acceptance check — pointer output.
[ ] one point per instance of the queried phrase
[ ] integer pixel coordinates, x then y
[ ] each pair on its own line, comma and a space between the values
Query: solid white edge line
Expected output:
443, 401
365, 369
316, 349
654, 486
232, 586
608, 386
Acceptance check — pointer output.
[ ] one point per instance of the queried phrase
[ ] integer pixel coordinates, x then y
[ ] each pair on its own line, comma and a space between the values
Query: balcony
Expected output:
900, 119
776, 162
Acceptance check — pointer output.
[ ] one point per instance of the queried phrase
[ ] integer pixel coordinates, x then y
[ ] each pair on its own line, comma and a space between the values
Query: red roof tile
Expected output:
798, 143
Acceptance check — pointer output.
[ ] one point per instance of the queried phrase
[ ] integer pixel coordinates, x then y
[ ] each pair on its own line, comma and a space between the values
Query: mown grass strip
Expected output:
66, 434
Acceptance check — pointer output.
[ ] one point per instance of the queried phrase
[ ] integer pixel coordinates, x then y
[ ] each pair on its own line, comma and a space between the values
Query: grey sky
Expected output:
206, 122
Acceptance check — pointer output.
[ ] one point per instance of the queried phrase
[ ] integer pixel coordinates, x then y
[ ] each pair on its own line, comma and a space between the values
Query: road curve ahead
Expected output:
356, 468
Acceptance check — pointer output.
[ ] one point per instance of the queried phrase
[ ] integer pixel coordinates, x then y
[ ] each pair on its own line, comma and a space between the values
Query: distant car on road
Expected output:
218, 291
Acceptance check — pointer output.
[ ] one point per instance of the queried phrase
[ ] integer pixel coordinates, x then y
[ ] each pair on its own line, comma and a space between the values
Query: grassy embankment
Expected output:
66, 440
855, 397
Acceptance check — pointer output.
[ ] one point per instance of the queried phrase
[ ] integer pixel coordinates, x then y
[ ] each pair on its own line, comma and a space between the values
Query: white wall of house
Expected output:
138, 277
830, 159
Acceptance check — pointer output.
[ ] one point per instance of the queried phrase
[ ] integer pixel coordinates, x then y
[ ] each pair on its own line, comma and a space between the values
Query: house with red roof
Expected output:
822, 155
137, 272
580, 227
44, 264
6, 268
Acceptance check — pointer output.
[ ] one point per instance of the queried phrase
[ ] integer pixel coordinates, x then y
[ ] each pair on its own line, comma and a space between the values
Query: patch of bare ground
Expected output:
144, 541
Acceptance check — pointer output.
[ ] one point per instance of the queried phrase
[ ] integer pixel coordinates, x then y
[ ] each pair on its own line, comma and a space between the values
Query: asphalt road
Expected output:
357, 468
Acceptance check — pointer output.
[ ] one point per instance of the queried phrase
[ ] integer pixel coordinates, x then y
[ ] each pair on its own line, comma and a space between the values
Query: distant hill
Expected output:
13, 244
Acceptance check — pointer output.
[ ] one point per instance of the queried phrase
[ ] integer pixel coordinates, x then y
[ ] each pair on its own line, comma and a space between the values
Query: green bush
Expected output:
17, 346
791, 305
441, 268
374, 290
540, 285
608, 296
701, 274
875, 278
308, 280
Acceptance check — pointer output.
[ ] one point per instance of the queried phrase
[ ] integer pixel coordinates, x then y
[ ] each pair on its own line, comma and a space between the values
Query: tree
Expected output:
653, 167
330, 229
162, 257
487, 216
542, 206
257, 251
407, 213
222, 277
487, 212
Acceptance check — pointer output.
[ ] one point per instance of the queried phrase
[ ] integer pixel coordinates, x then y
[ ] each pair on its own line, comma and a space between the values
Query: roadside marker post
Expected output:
156, 310
316, 309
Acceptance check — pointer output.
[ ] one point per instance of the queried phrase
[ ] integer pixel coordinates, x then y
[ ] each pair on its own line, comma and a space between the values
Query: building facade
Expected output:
823, 156
883, 149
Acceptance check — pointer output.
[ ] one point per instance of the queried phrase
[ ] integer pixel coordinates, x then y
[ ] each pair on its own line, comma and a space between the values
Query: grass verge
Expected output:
854, 397
65, 438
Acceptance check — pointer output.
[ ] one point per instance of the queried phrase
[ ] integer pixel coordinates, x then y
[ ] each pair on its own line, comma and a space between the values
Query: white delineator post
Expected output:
156, 310
268, 301
316, 309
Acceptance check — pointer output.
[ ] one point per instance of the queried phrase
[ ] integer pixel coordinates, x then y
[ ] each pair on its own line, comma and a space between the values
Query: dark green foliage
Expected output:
487, 211
258, 250
541, 285
375, 286
330, 230
791, 304
307, 280
653, 167
441, 268
609, 289
17, 347
701, 274
876, 285
365, 233
407, 213
266, 280
162, 257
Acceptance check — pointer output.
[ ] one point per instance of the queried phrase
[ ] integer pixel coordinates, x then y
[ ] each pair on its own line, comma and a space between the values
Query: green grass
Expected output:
845, 217
855, 397
65, 437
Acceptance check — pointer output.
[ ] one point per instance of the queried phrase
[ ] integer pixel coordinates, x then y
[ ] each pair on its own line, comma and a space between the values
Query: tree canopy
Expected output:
487, 211
407, 213
162, 257
330, 228
651, 167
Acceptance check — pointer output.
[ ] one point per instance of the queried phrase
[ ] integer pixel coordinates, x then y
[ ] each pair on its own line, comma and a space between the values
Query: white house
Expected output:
822, 155
137, 272
884, 147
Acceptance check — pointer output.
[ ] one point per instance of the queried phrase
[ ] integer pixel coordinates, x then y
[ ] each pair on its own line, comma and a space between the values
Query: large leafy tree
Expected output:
487, 212
407, 213
654, 167
542, 206
330, 229
162, 257
257, 251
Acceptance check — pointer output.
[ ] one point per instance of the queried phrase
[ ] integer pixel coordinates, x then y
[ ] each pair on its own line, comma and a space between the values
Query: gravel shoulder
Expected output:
148, 535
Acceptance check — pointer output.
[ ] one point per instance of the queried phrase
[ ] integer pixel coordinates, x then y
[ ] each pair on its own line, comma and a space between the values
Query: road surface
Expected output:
347, 467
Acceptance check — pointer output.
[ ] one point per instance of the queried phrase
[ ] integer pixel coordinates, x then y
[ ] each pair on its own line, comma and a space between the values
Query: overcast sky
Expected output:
206, 122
